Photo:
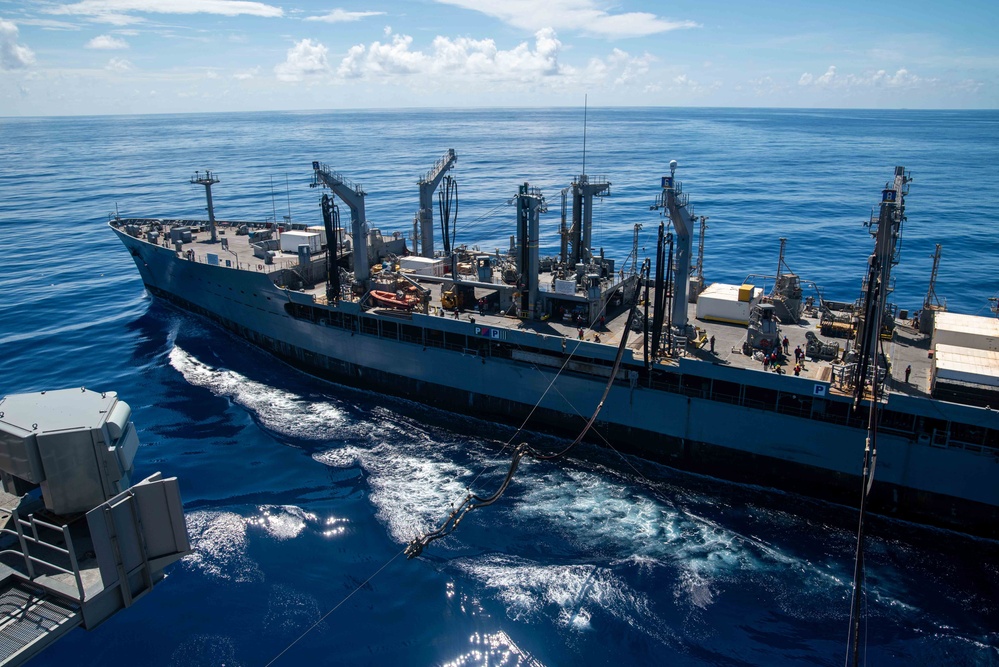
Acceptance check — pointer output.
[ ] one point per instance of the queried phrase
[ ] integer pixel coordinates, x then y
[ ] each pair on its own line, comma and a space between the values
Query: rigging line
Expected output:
473, 501
530, 414
625, 459
550, 386
338, 605
490, 211
875, 315
605, 440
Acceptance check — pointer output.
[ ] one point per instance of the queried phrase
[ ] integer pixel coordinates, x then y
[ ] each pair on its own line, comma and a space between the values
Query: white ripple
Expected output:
571, 594
283, 522
219, 543
598, 513
412, 491
280, 411
207, 650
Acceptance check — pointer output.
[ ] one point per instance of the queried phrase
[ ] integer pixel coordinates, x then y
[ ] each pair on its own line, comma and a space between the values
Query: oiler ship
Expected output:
765, 382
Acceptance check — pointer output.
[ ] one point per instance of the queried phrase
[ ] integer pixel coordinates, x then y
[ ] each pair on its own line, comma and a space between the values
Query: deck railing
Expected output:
27, 533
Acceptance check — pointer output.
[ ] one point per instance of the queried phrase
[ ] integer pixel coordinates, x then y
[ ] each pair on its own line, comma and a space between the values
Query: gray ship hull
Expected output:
683, 427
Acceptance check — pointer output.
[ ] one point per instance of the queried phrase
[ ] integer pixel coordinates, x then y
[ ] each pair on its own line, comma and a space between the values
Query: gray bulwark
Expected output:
57, 569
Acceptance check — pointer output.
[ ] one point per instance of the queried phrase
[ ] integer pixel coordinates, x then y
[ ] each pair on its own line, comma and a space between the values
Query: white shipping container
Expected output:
565, 287
422, 266
318, 229
971, 331
292, 239
720, 302
963, 364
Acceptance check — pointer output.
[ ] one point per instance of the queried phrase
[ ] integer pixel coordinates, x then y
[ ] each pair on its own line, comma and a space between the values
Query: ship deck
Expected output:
906, 348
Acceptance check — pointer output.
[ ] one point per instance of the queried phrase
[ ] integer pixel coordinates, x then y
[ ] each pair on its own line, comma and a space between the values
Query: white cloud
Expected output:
581, 15
765, 87
833, 80
343, 16
107, 42
246, 75
466, 64
118, 65
116, 12
305, 59
900, 79
461, 58
49, 24
12, 54
969, 86
628, 67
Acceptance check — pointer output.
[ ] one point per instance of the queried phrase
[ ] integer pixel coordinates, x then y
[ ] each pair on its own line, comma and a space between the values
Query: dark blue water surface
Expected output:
301, 495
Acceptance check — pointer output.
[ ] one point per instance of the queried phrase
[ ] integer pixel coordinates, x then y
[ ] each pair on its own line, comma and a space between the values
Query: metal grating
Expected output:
26, 616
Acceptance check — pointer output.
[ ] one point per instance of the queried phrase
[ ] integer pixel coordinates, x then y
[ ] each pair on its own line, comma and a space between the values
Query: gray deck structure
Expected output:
908, 347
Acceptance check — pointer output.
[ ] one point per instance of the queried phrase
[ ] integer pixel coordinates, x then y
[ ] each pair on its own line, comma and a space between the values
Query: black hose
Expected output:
473, 501
446, 196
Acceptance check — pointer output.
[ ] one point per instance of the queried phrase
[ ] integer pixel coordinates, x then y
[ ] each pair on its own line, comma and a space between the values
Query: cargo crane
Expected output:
530, 204
886, 229
425, 216
352, 195
576, 239
674, 202
931, 303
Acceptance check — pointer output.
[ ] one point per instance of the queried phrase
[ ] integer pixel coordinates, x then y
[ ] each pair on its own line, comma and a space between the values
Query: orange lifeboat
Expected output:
390, 299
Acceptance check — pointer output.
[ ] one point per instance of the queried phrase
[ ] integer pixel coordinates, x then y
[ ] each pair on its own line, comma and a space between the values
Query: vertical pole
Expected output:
211, 211
73, 562
24, 545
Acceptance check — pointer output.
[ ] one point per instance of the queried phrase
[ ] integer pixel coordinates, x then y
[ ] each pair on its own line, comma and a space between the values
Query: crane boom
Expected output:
428, 185
674, 201
353, 196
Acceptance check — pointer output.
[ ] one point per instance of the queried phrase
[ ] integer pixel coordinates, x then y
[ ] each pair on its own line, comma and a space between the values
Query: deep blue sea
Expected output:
301, 495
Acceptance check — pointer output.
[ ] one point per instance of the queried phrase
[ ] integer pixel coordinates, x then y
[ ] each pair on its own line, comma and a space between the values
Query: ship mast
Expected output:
931, 294
700, 251
208, 180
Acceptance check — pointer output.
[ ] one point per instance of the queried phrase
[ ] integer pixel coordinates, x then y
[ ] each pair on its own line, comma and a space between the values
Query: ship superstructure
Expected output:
708, 383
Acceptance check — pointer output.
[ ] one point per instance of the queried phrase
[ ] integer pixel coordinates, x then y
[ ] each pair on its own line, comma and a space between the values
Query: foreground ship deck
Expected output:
720, 412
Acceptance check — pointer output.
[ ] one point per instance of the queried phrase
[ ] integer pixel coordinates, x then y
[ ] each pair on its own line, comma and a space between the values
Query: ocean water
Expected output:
301, 495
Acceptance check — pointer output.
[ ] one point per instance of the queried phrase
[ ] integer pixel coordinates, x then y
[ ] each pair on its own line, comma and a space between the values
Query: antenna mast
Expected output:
700, 251
584, 134
207, 180
273, 205
931, 294
780, 258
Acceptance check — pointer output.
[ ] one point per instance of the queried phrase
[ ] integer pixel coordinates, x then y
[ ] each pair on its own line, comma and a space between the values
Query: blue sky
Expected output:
164, 56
